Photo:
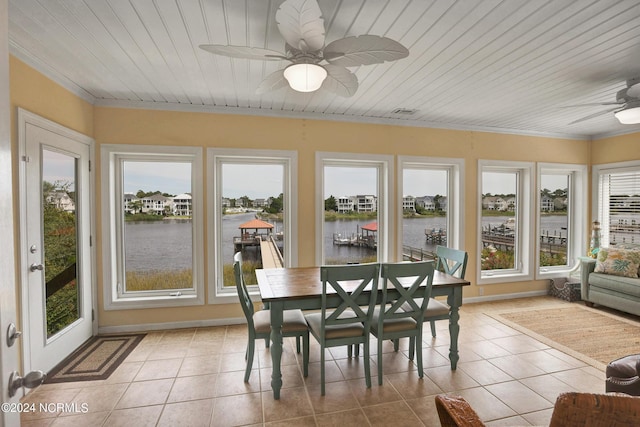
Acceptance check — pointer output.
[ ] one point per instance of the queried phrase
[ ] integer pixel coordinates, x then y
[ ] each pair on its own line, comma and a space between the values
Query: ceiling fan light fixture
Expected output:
629, 116
305, 77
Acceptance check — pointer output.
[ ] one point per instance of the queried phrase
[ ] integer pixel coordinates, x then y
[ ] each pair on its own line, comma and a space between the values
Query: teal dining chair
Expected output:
259, 322
454, 263
402, 316
347, 324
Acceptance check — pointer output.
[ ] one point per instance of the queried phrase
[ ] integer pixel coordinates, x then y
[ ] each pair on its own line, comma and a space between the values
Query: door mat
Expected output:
95, 360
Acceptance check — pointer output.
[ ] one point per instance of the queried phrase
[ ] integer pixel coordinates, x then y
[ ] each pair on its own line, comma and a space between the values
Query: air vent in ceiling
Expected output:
404, 111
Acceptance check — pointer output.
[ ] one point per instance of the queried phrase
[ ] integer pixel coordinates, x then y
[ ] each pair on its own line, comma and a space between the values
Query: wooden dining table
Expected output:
300, 288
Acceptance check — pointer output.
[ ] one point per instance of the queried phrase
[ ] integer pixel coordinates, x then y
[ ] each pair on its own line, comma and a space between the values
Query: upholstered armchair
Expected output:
623, 375
570, 410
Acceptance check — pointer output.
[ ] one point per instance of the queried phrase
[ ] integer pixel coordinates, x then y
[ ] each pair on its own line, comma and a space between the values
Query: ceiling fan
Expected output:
628, 105
314, 65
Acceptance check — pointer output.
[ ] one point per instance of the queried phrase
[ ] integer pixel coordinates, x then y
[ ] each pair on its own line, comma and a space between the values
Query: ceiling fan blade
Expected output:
340, 81
593, 104
634, 90
273, 81
300, 23
364, 50
591, 116
243, 52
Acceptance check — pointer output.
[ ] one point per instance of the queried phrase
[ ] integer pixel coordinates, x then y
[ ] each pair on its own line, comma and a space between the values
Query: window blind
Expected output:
619, 207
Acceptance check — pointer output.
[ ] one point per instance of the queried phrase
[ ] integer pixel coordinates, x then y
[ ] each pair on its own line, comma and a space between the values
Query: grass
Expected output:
157, 280
248, 270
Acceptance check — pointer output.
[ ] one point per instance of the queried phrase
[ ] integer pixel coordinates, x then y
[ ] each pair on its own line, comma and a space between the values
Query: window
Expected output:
431, 205
561, 217
250, 211
153, 205
505, 221
618, 202
353, 217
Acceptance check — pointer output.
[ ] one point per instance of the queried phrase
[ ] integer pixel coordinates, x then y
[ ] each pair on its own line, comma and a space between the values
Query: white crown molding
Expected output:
49, 72
144, 105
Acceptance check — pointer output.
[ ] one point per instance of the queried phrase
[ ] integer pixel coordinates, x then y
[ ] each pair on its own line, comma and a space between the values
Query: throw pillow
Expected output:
618, 262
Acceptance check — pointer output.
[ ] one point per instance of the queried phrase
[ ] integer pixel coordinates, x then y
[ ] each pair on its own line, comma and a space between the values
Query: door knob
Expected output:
12, 334
35, 267
31, 380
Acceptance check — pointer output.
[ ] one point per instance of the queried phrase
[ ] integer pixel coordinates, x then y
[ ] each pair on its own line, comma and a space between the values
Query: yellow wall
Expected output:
616, 149
32, 91
130, 126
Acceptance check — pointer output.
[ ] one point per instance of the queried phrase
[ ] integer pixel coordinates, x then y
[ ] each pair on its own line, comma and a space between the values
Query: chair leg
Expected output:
396, 344
367, 363
433, 328
250, 351
418, 346
298, 344
357, 350
267, 342
305, 354
349, 351
379, 361
322, 371
412, 346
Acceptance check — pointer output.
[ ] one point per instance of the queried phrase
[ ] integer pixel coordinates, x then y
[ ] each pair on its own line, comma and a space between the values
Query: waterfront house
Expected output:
155, 204
181, 205
547, 204
426, 202
61, 200
408, 203
132, 203
480, 91
344, 204
365, 203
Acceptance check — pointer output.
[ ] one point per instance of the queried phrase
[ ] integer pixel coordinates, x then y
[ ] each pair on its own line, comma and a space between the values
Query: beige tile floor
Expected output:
194, 377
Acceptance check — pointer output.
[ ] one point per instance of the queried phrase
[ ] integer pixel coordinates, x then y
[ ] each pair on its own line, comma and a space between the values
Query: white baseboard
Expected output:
488, 298
143, 327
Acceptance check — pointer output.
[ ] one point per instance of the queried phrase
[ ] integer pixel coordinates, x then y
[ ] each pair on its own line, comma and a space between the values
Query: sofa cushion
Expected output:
618, 284
618, 262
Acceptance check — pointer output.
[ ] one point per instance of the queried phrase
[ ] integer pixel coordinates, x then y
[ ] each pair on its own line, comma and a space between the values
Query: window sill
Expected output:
153, 302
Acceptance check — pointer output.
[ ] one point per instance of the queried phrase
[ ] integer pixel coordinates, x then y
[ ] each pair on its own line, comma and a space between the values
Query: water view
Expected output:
168, 242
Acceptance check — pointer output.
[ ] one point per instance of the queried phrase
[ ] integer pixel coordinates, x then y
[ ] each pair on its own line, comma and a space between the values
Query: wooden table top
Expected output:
304, 282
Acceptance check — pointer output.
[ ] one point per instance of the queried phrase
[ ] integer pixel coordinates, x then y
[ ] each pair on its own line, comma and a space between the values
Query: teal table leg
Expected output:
455, 301
276, 347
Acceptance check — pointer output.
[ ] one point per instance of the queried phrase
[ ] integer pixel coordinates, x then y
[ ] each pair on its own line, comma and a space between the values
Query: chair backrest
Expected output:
411, 280
241, 287
451, 261
356, 278
596, 410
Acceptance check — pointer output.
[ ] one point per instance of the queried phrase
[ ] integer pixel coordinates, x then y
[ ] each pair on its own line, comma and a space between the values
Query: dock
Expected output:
271, 256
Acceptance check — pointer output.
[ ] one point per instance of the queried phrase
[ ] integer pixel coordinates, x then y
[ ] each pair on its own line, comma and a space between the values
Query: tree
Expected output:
330, 204
276, 204
436, 202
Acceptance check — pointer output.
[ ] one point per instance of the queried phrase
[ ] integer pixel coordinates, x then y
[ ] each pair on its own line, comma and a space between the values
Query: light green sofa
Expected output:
620, 293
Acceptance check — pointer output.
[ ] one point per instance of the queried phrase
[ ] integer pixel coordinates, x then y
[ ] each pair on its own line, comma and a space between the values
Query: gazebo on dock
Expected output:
250, 230
369, 234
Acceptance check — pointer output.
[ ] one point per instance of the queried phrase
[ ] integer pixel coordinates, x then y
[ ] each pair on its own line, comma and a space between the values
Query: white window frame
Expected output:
385, 166
598, 209
455, 200
112, 156
576, 216
525, 219
219, 294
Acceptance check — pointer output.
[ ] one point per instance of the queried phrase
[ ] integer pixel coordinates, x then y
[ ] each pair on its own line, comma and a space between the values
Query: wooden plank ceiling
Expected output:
506, 66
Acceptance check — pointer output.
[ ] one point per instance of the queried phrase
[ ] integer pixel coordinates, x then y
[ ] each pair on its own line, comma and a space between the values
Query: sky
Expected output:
58, 168
265, 180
